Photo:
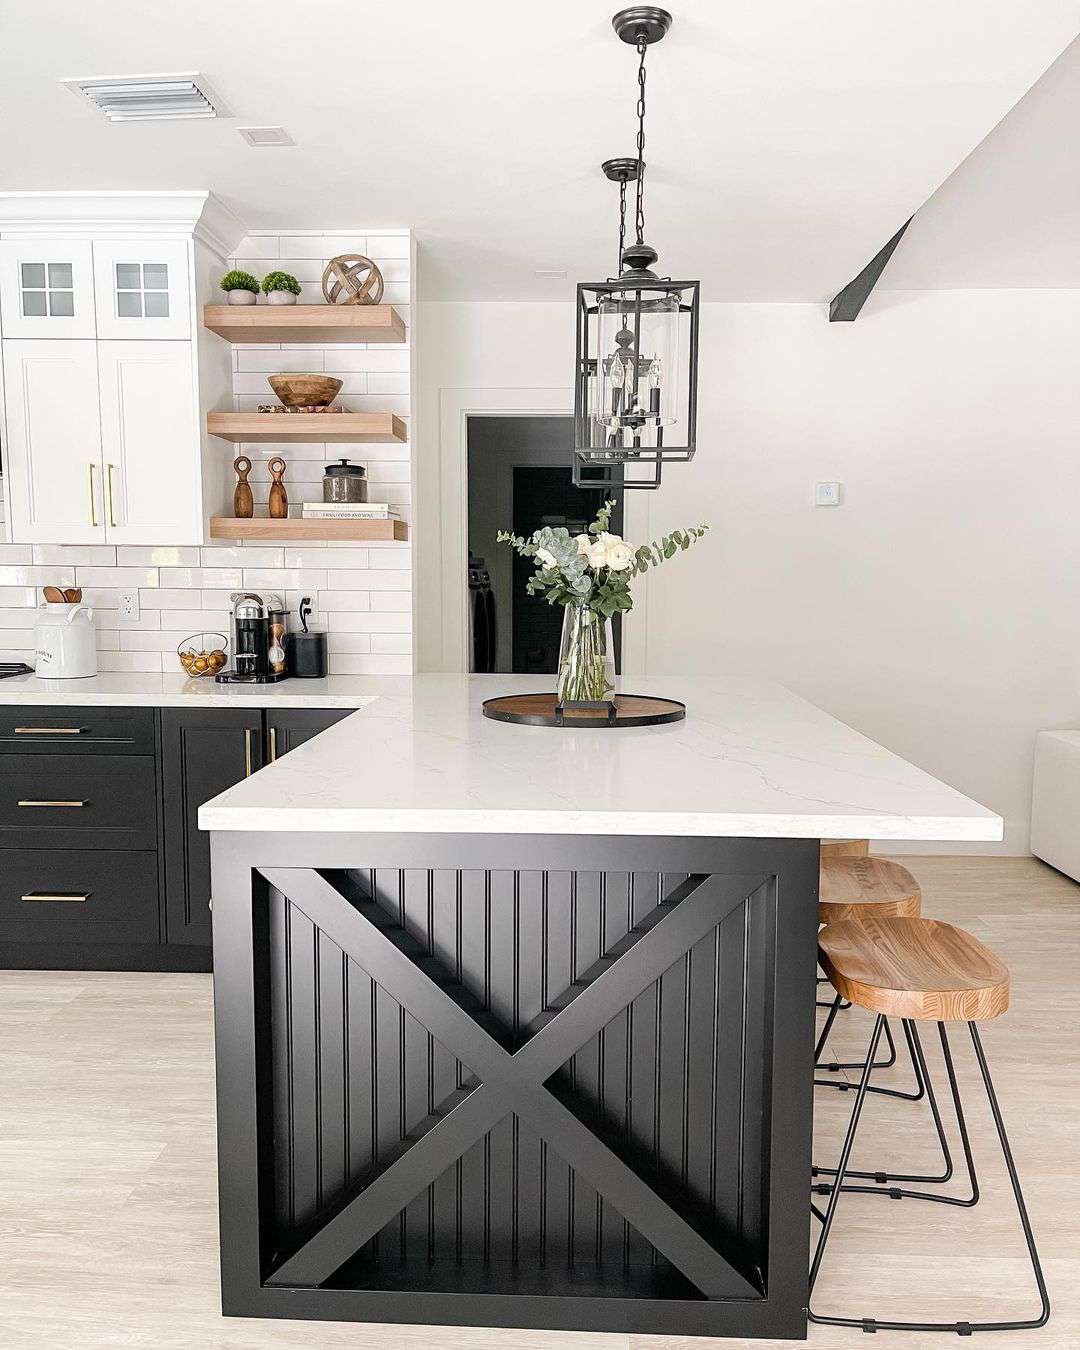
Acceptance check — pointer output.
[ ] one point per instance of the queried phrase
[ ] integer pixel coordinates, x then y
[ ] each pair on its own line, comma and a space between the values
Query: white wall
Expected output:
938, 609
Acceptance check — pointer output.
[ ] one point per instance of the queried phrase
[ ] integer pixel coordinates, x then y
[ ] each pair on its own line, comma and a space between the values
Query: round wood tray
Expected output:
540, 710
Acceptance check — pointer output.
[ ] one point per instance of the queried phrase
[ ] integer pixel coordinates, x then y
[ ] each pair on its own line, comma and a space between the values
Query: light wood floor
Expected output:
107, 1203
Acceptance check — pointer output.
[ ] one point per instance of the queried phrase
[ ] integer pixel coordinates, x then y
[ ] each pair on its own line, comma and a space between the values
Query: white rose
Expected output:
583, 541
609, 539
546, 558
597, 554
619, 556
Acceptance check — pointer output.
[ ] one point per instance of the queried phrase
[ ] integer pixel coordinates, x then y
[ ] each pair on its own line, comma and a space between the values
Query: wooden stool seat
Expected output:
850, 887
844, 848
914, 968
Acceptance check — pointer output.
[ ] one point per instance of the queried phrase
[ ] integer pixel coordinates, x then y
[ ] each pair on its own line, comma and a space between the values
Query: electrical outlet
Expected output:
828, 494
129, 604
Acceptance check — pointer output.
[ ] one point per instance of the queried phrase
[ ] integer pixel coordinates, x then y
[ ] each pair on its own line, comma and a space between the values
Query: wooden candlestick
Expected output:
242, 503
279, 498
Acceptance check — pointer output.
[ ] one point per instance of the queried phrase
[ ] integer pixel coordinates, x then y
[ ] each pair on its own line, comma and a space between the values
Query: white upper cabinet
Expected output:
46, 288
52, 461
149, 424
143, 288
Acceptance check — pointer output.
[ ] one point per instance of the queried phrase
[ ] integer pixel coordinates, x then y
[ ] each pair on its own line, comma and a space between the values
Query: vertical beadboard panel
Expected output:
354, 1071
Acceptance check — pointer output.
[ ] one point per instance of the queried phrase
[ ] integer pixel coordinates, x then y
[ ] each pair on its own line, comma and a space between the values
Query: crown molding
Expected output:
200, 214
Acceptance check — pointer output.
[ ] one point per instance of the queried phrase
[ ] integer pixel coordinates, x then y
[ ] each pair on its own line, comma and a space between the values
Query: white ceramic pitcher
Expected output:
66, 648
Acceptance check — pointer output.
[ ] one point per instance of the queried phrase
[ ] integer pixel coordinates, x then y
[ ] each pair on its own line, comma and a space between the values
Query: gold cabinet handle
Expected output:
33, 803
93, 504
273, 745
49, 731
247, 753
68, 897
108, 494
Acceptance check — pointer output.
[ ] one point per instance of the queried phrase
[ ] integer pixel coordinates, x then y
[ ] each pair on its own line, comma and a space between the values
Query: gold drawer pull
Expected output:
30, 803
49, 731
72, 897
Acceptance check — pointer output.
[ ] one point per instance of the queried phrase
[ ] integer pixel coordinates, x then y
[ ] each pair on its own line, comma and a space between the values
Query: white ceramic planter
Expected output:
281, 298
242, 297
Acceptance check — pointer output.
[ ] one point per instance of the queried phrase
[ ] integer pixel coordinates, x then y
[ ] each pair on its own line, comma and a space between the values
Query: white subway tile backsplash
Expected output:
285, 578
75, 555
122, 577
148, 661
332, 601
168, 597
157, 555
37, 576
391, 642
19, 595
366, 621
219, 578
326, 555
362, 591
369, 665
396, 602
242, 555
369, 580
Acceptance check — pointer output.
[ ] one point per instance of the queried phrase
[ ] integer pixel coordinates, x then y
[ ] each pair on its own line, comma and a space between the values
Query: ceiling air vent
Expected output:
264, 136
150, 98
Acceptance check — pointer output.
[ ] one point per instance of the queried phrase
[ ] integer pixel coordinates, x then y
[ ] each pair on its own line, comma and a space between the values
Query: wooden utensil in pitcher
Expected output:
53, 594
243, 505
279, 498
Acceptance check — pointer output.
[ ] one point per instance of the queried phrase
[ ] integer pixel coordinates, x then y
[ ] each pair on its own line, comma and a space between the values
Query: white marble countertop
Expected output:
134, 690
750, 759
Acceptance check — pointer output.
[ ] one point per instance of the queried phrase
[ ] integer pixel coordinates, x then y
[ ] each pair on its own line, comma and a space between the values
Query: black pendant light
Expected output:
636, 355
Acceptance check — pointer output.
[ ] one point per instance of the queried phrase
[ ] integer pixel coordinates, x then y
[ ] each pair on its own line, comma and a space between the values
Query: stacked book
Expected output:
350, 511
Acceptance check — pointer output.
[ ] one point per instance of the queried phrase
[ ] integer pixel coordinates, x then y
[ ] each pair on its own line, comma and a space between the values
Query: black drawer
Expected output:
77, 801
61, 895
29, 729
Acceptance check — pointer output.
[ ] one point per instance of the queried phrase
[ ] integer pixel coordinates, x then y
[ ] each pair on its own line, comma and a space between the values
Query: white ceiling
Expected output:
1010, 214
787, 140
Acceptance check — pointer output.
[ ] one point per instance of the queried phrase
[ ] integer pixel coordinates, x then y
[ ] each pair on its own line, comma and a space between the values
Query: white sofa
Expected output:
1055, 801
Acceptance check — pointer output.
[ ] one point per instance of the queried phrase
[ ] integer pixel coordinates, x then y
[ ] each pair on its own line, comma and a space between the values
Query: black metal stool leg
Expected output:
842, 1085
922, 1074
960, 1328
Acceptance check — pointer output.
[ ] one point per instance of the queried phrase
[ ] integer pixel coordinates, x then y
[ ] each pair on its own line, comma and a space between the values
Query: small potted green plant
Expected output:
280, 288
241, 287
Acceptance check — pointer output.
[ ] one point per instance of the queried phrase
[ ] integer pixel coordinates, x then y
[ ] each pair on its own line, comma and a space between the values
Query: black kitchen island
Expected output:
526, 1077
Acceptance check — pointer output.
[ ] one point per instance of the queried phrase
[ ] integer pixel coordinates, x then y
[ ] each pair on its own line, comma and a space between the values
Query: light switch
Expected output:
828, 494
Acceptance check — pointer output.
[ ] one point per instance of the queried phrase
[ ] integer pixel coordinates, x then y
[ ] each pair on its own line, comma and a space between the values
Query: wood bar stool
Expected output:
920, 970
844, 848
850, 887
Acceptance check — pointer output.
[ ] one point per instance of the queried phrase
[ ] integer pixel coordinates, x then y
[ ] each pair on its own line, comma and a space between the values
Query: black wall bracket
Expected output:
846, 304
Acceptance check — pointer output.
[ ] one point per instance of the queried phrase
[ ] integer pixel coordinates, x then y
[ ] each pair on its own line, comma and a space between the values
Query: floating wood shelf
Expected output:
305, 323
261, 527
309, 428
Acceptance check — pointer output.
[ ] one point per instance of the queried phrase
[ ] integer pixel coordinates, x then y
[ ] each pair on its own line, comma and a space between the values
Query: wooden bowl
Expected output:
304, 391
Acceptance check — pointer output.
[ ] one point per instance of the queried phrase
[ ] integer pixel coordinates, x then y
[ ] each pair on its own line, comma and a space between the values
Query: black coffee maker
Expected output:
249, 661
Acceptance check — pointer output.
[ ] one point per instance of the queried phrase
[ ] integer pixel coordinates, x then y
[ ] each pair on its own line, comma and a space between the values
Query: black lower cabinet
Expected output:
102, 862
203, 752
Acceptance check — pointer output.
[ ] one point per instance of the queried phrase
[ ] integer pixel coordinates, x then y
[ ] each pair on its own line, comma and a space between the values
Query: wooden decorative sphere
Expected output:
352, 279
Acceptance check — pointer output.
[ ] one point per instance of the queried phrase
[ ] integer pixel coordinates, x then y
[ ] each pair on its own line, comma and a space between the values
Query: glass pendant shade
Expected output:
635, 403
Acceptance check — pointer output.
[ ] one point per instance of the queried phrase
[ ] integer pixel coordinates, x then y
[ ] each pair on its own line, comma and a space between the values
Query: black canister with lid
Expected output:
344, 482
306, 651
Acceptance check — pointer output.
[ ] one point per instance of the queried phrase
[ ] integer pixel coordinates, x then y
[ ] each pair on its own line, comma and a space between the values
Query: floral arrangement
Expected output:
239, 281
280, 281
590, 574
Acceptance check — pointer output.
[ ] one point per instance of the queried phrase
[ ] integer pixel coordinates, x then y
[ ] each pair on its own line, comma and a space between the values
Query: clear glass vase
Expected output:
586, 657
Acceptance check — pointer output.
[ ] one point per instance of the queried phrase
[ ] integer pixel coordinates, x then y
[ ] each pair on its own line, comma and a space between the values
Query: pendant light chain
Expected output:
622, 224
643, 47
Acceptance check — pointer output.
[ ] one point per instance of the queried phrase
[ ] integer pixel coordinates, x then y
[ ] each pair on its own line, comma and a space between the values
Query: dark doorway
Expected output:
519, 479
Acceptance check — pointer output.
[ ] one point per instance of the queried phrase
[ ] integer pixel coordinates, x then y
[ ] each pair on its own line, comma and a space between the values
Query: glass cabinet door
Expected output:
142, 288
46, 288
